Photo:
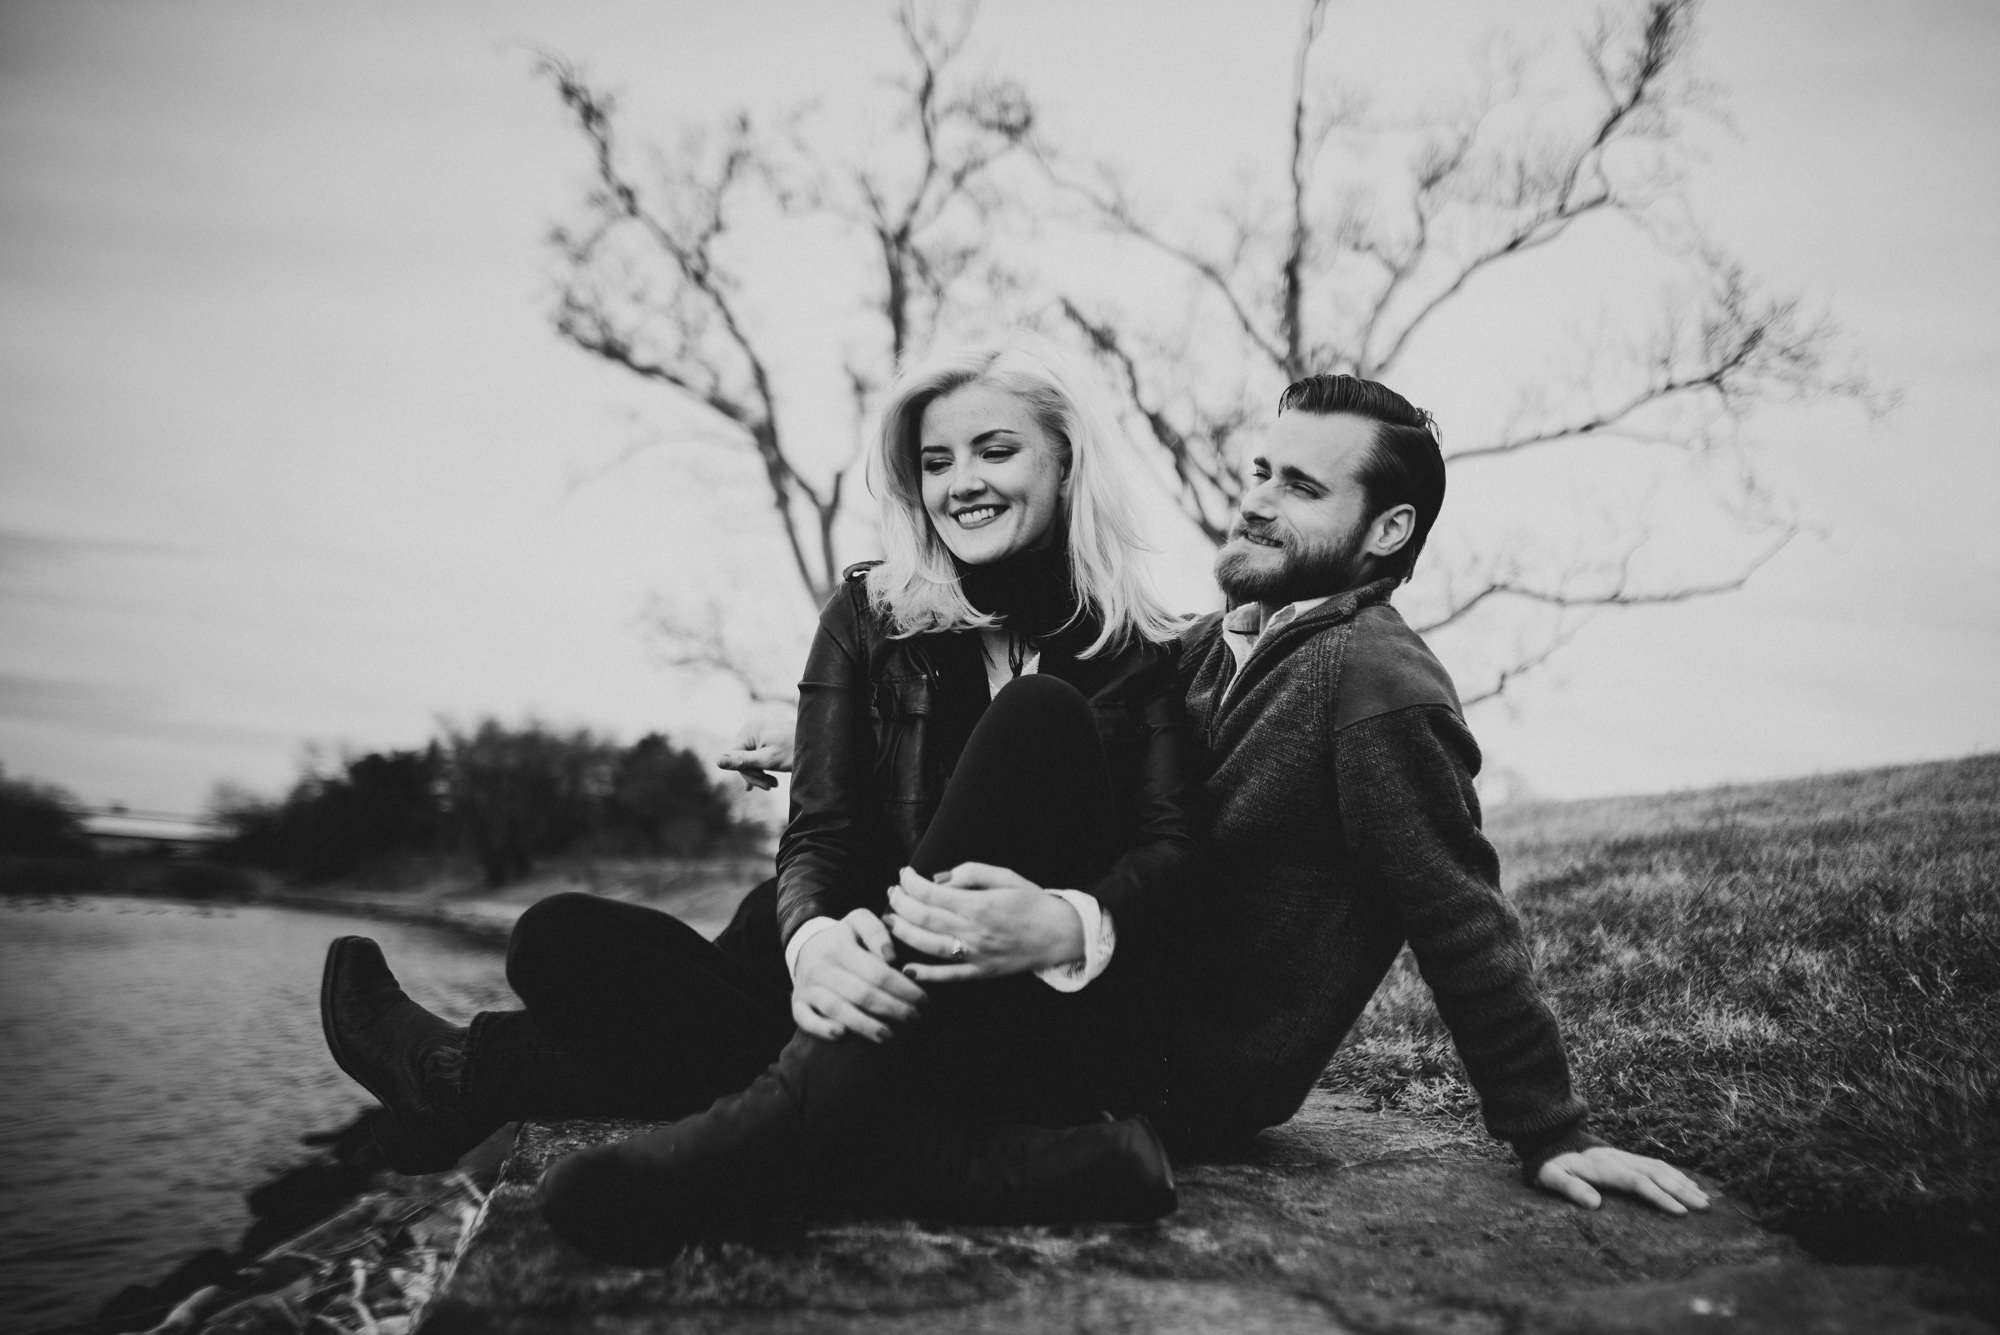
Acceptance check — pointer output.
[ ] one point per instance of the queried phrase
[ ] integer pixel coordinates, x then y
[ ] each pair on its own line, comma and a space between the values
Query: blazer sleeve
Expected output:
831, 770
1148, 884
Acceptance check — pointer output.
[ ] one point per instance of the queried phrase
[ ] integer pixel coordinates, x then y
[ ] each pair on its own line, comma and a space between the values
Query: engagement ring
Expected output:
957, 950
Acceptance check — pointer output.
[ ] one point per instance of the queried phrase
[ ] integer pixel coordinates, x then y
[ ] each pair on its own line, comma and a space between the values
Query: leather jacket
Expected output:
868, 772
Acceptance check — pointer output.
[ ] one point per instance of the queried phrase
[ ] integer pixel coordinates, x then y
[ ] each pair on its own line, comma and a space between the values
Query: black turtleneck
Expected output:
1032, 591
1034, 596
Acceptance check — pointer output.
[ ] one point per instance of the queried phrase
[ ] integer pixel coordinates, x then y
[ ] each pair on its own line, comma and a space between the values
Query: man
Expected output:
1338, 818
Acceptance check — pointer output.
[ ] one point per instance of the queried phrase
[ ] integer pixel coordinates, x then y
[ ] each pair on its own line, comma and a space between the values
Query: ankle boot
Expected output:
1020, 1174
408, 1058
749, 1155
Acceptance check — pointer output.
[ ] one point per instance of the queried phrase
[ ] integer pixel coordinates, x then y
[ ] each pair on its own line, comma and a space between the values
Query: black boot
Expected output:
1019, 1174
775, 1145
408, 1058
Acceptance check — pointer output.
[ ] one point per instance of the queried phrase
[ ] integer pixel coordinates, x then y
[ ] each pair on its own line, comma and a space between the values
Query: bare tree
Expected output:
1379, 232
651, 278
1334, 277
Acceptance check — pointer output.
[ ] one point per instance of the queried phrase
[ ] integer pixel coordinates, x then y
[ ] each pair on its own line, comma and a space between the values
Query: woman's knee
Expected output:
552, 938
1042, 702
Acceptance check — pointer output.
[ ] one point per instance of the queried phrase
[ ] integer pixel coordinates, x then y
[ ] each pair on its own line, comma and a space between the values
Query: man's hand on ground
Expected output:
763, 747
846, 985
1578, 1174
1005, 923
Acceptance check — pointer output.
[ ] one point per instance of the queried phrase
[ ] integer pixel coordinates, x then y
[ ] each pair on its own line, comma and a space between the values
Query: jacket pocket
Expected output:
902, 707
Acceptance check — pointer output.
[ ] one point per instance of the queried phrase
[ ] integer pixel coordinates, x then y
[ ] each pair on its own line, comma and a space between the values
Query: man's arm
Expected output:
1411, 818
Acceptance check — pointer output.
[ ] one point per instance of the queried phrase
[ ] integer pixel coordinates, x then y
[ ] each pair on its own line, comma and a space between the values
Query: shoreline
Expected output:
336, 1239
335, 1232
481, 927
703, 892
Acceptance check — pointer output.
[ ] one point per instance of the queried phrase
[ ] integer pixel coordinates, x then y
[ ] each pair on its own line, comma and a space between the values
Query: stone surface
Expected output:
1342, 1220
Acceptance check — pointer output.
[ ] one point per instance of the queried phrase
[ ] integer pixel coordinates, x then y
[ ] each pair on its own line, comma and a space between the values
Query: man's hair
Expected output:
1405, 467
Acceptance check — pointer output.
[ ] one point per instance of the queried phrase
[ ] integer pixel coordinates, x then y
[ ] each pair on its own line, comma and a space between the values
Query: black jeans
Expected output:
670, 1021
657, 1021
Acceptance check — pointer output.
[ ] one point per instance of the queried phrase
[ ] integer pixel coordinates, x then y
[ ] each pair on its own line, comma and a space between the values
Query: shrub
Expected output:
39, 820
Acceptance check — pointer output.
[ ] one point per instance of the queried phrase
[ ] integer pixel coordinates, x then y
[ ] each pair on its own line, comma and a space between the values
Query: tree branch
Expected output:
590, 326
1561, 198
1291, 326
1116, 212
1618, 595
1522, 665
1188, 471
1603, 420
701, 643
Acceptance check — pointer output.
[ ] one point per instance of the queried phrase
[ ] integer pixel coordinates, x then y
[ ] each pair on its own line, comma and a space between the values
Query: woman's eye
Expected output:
998, 454
932, 463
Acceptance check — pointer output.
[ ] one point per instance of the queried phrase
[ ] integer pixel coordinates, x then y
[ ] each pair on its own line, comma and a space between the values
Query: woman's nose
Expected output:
966, 481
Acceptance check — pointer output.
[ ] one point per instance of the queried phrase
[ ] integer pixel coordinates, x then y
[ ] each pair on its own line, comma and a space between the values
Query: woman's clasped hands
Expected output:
978, 921
981, 921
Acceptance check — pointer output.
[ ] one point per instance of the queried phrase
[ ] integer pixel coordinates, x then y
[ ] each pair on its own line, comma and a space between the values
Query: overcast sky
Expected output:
289, 455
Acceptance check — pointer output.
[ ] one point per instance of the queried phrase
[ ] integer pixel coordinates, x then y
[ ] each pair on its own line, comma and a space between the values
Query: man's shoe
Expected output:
408, 1058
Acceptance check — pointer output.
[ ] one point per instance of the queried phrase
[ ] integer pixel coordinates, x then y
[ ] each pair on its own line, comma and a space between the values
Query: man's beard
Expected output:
1307, 571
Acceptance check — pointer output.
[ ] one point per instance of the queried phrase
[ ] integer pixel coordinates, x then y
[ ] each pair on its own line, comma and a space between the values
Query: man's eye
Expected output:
1304, 489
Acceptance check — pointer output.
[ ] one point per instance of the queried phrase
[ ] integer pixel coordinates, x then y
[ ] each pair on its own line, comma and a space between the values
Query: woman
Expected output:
1010, 554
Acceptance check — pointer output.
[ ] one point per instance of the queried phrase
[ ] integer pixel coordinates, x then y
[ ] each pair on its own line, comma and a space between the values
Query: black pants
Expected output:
669, 1021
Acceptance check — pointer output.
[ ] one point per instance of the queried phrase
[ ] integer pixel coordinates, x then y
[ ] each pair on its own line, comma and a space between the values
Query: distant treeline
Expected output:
39, 820
501, 795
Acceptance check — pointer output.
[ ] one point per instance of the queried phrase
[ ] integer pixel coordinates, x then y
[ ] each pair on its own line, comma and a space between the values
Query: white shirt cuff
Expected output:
808, 929
1099, 940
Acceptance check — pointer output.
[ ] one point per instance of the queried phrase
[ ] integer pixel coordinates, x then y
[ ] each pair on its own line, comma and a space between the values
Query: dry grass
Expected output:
1792, 987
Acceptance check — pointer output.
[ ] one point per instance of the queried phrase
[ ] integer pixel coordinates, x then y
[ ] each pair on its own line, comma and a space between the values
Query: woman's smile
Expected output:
977, 516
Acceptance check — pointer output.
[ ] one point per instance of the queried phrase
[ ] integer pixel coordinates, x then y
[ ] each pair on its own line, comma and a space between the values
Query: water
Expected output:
156, 1061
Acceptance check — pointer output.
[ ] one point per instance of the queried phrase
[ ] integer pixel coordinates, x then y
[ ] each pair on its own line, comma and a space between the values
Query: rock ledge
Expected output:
1343, 1220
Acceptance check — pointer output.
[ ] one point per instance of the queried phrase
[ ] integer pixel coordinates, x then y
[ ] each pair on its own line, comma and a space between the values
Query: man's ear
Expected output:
1391, 530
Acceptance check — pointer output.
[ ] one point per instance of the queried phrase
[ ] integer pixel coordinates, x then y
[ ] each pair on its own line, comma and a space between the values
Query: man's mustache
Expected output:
1243, 528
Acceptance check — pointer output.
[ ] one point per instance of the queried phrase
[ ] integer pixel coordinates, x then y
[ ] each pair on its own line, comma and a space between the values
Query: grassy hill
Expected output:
1793, 987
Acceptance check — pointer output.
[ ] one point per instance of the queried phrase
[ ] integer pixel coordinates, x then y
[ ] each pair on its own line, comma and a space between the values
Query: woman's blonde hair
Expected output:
916, 585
